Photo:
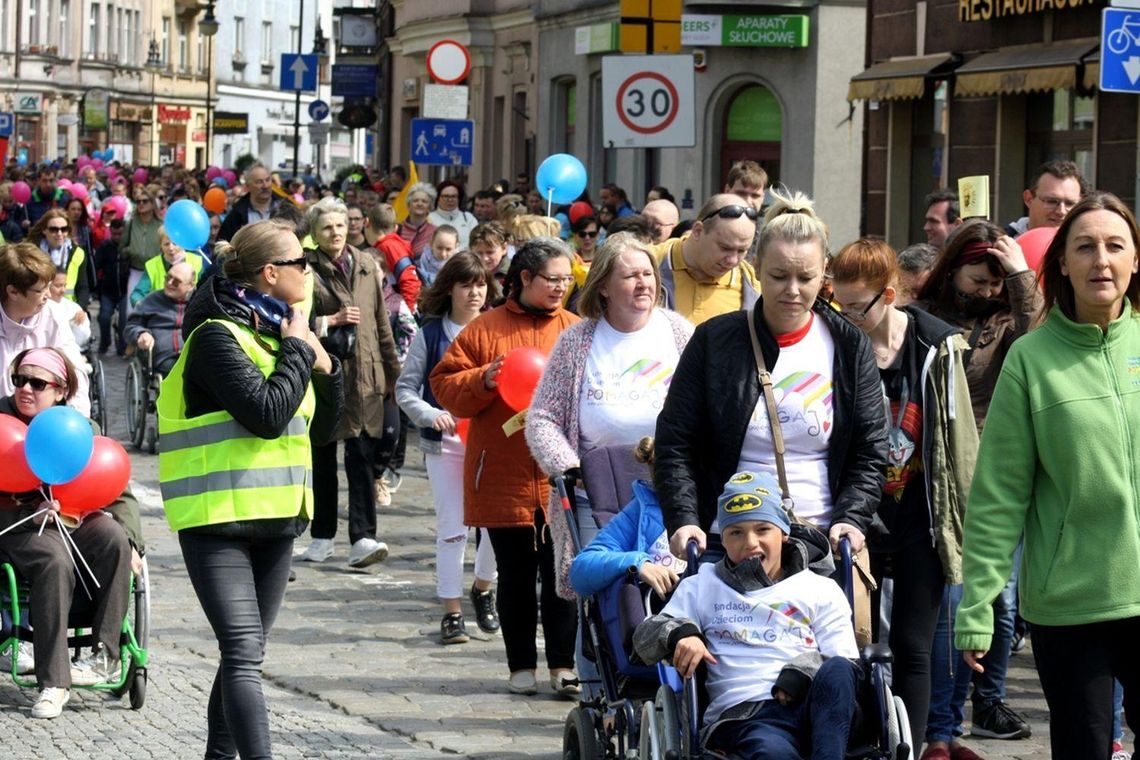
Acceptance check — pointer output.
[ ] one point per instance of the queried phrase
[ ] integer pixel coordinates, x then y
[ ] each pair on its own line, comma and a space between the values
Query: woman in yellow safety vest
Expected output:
154, 272
52, 234
235, 465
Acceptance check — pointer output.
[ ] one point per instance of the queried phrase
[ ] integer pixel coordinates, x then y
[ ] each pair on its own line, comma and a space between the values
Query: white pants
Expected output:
445, 473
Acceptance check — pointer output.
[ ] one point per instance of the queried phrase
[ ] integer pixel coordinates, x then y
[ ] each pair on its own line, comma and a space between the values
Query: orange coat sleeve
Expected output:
457, 380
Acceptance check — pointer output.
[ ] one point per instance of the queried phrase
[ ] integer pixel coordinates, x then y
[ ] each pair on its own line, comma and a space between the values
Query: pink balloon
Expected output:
78, 191
229, 177
118, 203
63, 184
21, 192
1034, 243
82, 163
213, 172
97, 163
140, 175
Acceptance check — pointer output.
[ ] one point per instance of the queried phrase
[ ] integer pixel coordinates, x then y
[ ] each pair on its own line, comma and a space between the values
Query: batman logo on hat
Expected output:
742, 502
742, 477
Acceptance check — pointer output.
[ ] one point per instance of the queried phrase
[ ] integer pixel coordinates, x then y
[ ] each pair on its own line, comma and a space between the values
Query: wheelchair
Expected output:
651, 713
143, 383
16, 623
97, 389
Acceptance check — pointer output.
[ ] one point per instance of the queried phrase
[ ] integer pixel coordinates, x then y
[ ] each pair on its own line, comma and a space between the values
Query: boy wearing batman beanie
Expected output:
776, 638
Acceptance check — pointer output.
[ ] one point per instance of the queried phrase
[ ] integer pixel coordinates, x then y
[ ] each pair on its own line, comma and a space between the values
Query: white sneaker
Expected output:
25, 661
51, 702
319, 550
367, 551
393, 479
383, 493
97, 668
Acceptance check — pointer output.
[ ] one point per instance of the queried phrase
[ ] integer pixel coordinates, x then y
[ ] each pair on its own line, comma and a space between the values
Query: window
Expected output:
565, 116
165, 49
121, 15
239, 36
266, 43
93, 31
44, 37
1069, 117
294, 38
64, 30
129, 45
33, 21
183, 45
200, 53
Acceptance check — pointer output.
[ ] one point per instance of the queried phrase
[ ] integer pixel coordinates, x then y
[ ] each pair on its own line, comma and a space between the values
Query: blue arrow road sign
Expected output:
318, 110
7, 123
354, 80
298, 72
1120, 50
442, 141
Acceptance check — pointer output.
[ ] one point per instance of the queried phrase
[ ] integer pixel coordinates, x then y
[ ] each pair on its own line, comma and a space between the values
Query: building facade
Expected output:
74, 72
957, 88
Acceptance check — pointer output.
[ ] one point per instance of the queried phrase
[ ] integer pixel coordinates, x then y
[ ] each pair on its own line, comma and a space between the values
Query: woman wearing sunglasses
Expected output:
140, 243
110, 542
28, 318
235, 416
933, 445
826, 390
53, 234
585, 241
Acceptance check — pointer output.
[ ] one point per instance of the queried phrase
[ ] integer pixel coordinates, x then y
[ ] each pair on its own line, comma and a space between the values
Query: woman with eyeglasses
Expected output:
140, 243
982, 285
933, 444
449, 211
503, 488
52, 233
351, 313
110, 542
826, 390
251, 388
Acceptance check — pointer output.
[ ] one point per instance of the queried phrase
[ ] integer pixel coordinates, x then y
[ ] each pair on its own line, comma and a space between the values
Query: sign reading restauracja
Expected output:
985, 10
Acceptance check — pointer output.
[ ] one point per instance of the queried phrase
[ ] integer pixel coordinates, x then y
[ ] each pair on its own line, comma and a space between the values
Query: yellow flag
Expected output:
400, 205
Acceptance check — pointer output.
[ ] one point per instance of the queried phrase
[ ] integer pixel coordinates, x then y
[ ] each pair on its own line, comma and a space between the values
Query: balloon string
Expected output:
18, 523
66, 538
549, 201
47, 497
79, 554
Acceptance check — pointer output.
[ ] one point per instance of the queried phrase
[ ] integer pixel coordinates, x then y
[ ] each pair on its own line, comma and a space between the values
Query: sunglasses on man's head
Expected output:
732, 212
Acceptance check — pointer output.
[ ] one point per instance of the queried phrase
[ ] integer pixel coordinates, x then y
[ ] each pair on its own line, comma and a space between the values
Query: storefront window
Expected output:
1059, 127
753, 128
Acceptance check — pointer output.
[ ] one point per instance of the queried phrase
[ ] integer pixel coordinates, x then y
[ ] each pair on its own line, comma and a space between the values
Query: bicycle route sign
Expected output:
1120, 50
649, 101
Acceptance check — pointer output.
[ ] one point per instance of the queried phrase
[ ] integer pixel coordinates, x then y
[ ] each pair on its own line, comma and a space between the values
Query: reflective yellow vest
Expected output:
212, 469
156, 269
73, 266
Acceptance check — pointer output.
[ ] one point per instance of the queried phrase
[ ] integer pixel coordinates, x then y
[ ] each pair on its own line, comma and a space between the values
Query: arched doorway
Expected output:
752, 129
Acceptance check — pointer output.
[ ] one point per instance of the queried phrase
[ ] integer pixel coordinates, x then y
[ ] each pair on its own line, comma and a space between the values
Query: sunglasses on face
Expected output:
301, 263
57, 229
37, 384
588, 234
732, 212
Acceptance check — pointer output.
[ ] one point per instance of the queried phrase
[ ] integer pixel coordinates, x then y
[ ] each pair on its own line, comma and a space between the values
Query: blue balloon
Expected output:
59, 444
563, 175
21, 160
187, 224
221, 182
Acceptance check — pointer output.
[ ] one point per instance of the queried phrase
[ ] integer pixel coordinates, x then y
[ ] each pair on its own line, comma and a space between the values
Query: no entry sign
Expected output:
448, 62
649, 101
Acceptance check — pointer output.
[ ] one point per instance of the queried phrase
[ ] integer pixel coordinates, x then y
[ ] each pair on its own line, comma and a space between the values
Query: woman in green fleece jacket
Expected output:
1059, 463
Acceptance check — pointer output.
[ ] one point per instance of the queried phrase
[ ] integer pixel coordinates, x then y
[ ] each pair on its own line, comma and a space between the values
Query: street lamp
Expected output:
209, 27
321, 50
153, 65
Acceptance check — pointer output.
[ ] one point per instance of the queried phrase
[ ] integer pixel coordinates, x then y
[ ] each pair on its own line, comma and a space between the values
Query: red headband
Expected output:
973, 253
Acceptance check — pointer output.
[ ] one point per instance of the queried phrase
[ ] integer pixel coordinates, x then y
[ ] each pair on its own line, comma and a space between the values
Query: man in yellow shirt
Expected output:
704, 273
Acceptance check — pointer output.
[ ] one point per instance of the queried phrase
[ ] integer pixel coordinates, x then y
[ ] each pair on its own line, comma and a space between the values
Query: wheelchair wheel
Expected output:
660, 729
138, 690
98, 392
136, 405
903, 749
580, 738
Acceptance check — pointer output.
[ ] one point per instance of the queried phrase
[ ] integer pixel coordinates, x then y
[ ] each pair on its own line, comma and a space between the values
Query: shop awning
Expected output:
897, 78
1025, 68
1091, 78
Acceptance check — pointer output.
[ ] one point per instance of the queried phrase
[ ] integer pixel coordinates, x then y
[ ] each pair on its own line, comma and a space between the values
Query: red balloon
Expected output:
462, 425
1034, 243
15, 475
580, 210
100, 483
522, 369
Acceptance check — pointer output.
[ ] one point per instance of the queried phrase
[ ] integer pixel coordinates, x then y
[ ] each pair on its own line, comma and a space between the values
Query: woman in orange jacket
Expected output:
503, 488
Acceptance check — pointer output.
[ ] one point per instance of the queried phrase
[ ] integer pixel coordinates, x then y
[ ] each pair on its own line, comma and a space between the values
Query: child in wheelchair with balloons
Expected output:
67, 519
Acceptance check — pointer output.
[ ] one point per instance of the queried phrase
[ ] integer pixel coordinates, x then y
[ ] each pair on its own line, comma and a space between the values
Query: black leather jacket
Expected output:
701, 428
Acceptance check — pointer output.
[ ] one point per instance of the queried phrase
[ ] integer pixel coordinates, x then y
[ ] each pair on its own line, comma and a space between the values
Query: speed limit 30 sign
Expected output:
648, 101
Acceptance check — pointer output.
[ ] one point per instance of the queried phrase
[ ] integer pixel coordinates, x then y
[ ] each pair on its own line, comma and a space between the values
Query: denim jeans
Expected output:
989, 687
240, 584
949, 676
107, 307
1117, 709
817, 727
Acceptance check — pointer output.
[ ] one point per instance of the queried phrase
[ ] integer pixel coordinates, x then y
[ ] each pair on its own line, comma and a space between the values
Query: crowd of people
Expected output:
959, 411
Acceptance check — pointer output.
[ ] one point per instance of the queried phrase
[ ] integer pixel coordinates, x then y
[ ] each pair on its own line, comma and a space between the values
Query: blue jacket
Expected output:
623, 544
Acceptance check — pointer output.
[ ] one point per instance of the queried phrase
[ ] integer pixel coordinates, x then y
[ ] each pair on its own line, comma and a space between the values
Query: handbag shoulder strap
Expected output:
773, 413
